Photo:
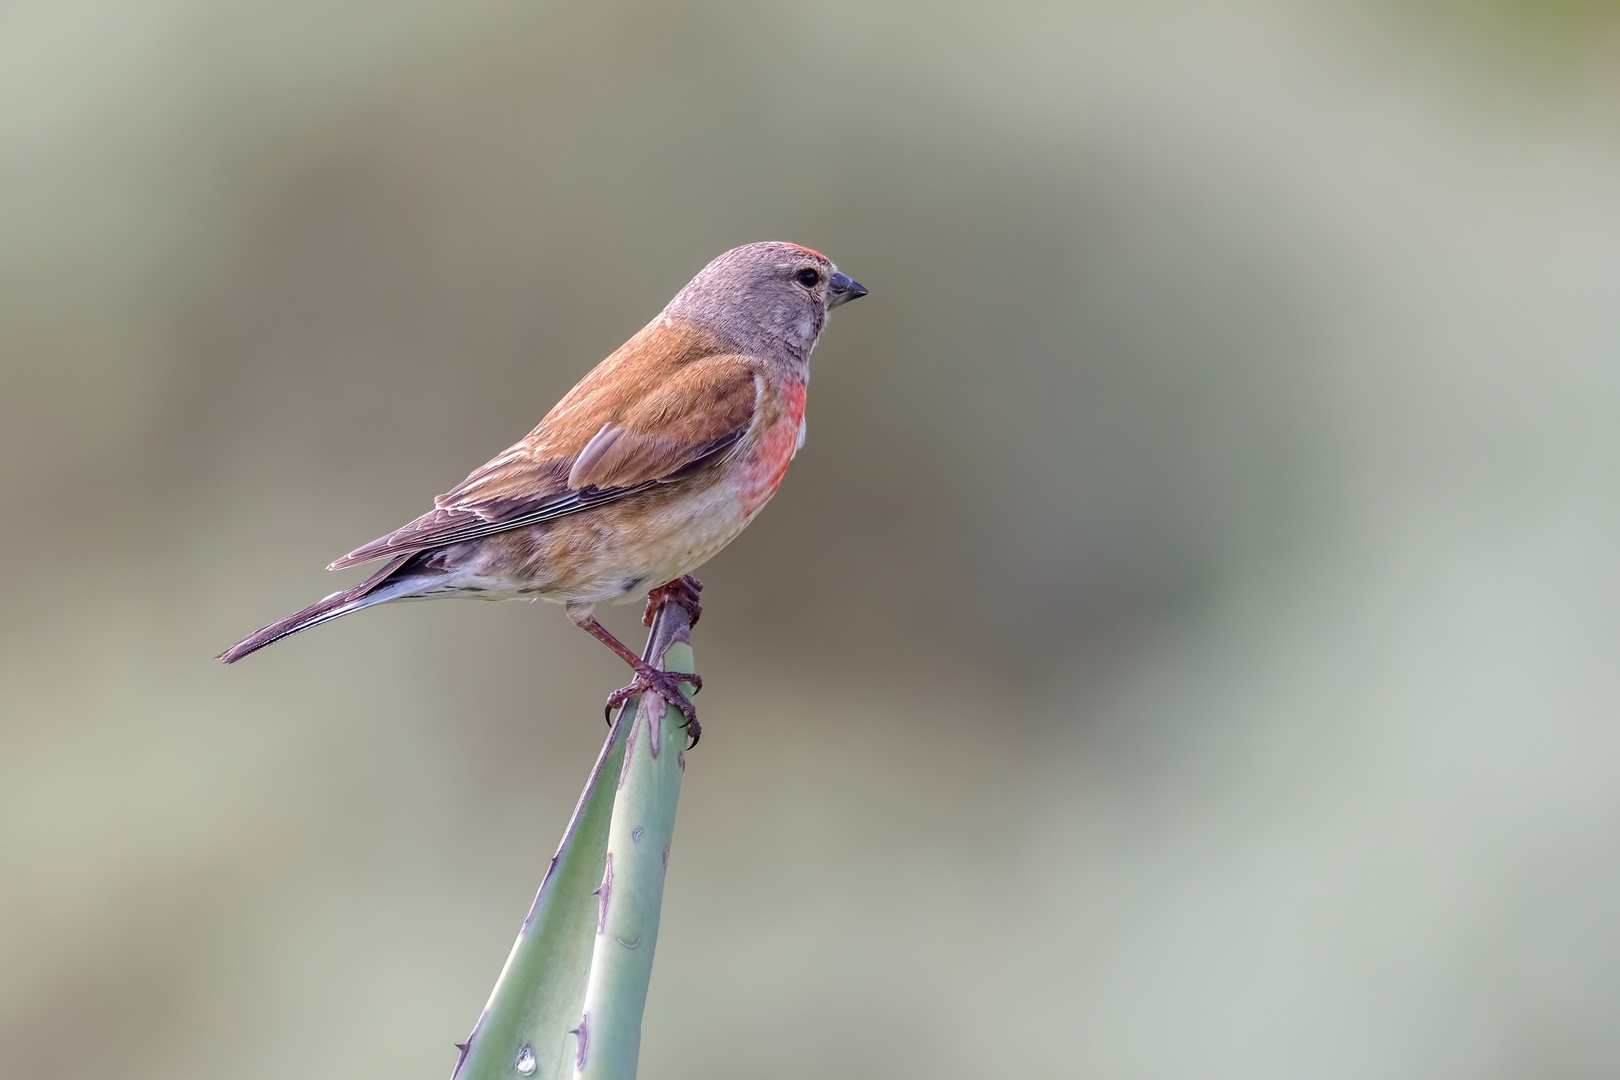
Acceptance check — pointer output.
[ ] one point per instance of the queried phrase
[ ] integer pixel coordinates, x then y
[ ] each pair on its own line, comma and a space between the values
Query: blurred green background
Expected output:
1187, 646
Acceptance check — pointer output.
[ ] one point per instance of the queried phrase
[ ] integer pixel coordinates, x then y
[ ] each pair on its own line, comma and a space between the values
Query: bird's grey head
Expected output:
767, 295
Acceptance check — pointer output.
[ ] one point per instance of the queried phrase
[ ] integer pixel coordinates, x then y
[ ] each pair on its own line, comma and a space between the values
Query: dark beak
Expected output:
842, 289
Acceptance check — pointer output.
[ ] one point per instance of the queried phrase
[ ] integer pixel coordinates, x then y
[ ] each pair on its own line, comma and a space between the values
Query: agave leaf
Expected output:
532, 1023
632, 889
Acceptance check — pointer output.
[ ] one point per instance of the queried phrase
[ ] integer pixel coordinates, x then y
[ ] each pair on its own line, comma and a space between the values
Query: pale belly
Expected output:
682, 539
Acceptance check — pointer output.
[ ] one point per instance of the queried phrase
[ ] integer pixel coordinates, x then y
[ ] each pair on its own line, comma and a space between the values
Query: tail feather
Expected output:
376, 589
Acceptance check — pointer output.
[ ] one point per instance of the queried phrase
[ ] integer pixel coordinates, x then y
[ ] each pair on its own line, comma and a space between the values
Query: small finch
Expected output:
655, 461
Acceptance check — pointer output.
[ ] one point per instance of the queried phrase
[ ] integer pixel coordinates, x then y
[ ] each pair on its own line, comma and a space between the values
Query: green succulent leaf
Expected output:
570, 999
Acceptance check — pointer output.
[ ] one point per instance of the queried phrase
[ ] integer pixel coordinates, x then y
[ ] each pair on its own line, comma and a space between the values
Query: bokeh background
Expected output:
1187, 646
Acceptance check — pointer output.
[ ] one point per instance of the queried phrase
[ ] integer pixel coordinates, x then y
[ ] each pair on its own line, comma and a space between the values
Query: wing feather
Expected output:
663, 431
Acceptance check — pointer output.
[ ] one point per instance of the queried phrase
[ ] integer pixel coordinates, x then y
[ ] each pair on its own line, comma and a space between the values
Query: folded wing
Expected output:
616, 434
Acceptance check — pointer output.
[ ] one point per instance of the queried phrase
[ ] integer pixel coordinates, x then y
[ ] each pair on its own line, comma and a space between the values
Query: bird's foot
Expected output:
667, 685
683, 591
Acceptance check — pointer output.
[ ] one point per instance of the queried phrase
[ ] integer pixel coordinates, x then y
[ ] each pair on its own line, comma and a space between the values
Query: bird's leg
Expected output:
665, 684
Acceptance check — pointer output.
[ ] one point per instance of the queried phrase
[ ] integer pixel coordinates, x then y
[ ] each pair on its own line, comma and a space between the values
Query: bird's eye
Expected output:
808, 278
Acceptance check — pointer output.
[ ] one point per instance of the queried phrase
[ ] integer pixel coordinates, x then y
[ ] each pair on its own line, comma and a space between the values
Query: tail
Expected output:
376, 589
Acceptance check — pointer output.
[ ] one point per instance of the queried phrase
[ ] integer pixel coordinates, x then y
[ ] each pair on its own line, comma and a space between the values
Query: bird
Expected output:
656, 460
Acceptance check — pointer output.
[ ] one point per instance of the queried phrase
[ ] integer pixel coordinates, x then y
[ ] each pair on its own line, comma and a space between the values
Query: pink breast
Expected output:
767, 462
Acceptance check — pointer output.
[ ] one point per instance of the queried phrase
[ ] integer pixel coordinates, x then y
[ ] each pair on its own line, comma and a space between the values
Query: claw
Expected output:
667, 685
